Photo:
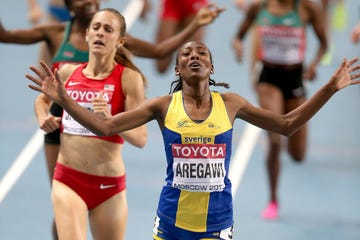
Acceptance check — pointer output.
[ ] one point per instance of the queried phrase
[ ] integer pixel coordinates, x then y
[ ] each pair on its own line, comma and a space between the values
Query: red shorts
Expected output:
93, 189
178, 10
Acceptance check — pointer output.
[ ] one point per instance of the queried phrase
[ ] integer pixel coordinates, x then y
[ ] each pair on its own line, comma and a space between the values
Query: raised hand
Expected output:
242, 5
344, 75
208, 14
35, 13
47, 82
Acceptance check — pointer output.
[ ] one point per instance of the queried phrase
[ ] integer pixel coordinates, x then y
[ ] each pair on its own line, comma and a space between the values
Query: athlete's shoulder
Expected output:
158, 105
231, 98
66, 70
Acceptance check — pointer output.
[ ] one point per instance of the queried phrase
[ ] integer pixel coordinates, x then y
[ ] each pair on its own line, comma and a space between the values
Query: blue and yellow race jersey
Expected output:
197, 194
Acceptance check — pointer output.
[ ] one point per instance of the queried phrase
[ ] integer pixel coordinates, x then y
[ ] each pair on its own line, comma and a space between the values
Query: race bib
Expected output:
83, 98
199, 167
282, 45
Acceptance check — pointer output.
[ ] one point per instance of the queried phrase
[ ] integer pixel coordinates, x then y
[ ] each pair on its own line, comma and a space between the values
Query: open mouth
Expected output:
195, 65
91, 8
99, 43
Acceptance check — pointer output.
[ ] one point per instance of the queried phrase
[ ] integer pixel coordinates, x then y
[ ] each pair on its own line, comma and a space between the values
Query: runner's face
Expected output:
84, 9
104, 32
194, 60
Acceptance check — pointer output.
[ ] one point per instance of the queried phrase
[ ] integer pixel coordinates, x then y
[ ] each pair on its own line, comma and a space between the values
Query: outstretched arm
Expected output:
28, 36
205, 16
292, 121
49, 83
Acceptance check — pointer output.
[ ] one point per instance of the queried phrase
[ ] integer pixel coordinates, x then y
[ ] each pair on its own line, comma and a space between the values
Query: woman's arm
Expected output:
318, 23
133, 93
244, 27
133, 89
289, 123
47, 123
205, 15
33, 35
42, 104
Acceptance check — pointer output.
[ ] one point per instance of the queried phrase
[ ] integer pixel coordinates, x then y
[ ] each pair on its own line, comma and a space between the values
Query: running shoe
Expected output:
339, 17
327, 58
271, 211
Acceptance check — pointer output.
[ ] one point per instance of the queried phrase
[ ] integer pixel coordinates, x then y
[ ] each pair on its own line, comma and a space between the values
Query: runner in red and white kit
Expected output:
90, 179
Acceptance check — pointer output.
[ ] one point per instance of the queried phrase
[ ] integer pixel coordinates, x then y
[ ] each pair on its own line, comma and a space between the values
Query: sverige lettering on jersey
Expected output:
199, 167
197, 139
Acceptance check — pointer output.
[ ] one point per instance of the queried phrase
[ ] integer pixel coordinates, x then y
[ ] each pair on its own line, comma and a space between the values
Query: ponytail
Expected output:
123, 57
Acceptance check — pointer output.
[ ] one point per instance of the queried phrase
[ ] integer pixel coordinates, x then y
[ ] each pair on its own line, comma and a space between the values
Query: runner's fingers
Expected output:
54, 125
355, 76
46, 68
38, 72
34, 88
57, 76
34, 79
352, 61
215, 10
355, 68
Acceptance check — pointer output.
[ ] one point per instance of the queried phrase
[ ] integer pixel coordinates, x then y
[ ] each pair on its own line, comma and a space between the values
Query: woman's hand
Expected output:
207, 14
343, 76
47, 82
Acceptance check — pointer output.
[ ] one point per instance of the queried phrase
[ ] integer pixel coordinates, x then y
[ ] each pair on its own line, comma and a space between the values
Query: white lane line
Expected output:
131, 13
242, 155
21, 163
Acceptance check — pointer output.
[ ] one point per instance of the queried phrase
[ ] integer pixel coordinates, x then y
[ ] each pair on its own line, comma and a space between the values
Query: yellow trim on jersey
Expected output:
216, 123
156, 237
